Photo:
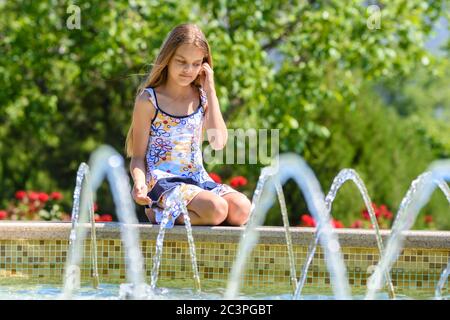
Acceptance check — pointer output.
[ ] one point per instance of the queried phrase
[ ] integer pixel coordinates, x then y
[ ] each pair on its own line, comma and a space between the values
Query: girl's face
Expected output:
186, 64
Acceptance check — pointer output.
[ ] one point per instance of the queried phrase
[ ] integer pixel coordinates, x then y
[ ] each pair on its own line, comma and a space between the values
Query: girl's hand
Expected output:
207, 77
139, 194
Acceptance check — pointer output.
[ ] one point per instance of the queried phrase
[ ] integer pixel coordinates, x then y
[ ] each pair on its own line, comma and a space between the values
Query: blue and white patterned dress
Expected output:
174, 157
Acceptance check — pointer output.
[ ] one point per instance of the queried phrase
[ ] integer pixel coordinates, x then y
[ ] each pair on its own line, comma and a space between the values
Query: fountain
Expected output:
441, 282
174, 205
77, 233
291, 166
287, 233
115, 173
445, 273
105, 161
416, 197
258, 211
343, 176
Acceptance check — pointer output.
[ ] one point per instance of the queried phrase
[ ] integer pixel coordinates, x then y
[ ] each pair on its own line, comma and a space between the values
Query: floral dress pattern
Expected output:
174, 158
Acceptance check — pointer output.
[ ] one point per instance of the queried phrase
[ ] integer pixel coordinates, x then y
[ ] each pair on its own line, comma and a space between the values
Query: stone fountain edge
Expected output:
32, 230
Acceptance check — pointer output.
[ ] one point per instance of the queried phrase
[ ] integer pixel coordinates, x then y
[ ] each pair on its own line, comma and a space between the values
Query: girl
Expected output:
173, 107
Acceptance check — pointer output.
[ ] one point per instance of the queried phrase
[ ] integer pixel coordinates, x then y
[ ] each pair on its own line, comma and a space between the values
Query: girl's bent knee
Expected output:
239, 212
219, 212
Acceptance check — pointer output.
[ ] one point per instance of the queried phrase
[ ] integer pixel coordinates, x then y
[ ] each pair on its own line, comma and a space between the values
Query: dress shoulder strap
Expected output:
152, 97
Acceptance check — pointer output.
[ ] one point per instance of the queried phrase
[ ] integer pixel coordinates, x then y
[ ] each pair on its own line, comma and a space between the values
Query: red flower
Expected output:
388, 215
33, 196
337, 223
307, 221
385, 213
3, 214
20, 195
55, 195
376, 210
357, 224
238, 181
95, 207
106, 217
103, 218
365, 215
428, 219
216, 178
43, 197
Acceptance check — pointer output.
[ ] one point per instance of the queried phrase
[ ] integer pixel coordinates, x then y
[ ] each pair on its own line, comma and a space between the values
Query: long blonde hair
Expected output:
186, 33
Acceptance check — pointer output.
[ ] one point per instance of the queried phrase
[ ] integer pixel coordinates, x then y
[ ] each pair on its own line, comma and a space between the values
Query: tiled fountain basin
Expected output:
35, 252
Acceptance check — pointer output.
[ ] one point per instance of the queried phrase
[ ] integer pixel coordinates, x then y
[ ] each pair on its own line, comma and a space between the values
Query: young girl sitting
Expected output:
174, 106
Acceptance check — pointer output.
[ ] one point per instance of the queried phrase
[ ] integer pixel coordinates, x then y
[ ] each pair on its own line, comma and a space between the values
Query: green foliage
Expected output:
66, 91
384, 148
424, 99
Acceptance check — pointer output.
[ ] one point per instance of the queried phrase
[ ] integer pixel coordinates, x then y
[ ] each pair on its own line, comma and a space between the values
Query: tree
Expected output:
65, 90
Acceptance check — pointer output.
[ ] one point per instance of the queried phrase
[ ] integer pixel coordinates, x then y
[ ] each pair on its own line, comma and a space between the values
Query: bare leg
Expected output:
151, 216
238, 208
206, 208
